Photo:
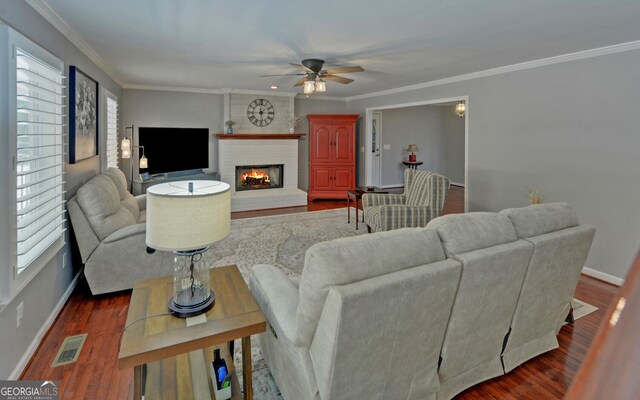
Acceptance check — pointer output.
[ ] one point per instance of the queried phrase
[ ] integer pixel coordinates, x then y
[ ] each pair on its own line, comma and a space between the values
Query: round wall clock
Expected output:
260, 112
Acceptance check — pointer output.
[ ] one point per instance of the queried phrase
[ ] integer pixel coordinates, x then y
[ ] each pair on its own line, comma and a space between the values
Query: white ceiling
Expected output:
216, 44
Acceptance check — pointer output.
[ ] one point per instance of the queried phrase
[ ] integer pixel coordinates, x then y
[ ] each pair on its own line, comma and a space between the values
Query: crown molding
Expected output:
301, 96
61, 25
259, 92
580, 55
173, 89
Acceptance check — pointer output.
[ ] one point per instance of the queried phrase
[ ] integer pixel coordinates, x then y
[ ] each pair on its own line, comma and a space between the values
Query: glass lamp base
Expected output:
186, 311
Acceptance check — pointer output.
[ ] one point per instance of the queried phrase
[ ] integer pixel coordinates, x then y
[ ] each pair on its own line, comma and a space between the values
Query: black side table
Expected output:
412, 164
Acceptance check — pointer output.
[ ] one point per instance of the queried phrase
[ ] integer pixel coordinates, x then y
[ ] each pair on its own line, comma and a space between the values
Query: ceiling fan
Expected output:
313, 76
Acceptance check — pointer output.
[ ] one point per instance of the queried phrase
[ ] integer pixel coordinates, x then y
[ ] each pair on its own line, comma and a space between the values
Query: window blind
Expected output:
39, 161
112, 132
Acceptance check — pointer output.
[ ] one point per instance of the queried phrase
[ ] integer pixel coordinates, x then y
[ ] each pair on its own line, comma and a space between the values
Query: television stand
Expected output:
140, 187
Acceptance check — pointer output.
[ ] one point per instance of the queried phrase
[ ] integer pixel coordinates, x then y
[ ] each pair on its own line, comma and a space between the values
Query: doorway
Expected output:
384, 154
376, 140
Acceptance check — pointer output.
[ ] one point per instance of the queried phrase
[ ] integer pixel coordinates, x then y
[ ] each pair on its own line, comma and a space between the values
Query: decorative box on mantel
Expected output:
257, 155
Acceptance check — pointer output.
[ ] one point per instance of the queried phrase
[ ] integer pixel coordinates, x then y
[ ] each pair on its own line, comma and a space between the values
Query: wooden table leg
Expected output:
349, 209
247, 367
357, 213
137, 382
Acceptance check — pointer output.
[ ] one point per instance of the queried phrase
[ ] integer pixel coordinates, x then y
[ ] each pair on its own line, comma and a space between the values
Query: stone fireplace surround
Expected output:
261, 149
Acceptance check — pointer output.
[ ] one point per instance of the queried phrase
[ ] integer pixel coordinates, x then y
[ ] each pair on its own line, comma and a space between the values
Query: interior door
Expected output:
376, 139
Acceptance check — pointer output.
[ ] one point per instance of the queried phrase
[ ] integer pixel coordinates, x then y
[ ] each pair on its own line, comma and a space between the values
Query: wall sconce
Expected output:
412, 148
460, 109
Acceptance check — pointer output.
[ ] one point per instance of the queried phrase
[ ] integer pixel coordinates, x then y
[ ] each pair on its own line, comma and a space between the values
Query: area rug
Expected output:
282, 240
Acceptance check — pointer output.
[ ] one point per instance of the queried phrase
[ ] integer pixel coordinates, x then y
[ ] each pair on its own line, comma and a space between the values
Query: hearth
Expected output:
258, 177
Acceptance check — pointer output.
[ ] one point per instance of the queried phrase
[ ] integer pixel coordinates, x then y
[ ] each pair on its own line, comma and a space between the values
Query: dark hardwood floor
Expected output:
96, 376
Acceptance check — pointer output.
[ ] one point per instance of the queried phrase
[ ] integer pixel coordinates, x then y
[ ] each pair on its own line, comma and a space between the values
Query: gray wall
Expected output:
46, 289
152, 108
569, 130
436, 134
179, 109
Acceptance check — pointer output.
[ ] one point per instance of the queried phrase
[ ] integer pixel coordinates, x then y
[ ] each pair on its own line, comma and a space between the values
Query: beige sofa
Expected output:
109, 226
422, 313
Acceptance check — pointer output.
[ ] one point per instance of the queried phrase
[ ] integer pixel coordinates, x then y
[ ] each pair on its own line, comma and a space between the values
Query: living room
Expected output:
551, 104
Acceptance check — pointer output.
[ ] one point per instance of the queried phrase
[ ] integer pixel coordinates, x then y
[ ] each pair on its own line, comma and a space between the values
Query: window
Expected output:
38, 161
111, 144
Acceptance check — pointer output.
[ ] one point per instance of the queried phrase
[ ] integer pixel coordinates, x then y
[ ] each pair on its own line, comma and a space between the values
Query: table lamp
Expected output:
186, 217
412, 148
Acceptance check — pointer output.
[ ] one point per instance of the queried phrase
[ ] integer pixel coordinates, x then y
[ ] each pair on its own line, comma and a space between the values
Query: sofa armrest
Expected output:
126, 232
278, 299
378, 199
142, 201
401, 216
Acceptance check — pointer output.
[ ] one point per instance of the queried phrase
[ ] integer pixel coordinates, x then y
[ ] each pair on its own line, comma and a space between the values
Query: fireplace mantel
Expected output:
261, 136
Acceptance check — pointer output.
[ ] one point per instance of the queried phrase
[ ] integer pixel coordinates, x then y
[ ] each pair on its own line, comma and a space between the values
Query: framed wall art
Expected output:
83, 115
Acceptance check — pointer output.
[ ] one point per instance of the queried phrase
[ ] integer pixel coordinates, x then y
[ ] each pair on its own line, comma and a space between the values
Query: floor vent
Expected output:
69, 350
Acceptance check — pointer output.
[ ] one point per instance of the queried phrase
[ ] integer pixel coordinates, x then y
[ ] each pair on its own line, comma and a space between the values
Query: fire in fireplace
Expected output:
256, 177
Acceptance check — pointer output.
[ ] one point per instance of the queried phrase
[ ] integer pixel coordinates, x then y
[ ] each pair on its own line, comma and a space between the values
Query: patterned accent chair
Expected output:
422, 201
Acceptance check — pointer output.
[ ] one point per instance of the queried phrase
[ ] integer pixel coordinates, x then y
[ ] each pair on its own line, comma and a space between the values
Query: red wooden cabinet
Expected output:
332, 155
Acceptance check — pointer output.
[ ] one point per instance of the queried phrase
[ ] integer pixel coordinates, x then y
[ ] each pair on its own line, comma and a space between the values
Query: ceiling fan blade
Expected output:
265, 76
300, 82
300, 66
338, 79
344, 70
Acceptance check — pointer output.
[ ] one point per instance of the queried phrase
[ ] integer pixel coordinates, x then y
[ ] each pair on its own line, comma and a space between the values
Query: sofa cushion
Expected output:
353, 259
126, 199
100, 202
541, 218
119, 180
461, 233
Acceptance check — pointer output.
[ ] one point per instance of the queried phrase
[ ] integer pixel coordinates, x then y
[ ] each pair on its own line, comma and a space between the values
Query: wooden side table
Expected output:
356, 195
412, 164
175, 364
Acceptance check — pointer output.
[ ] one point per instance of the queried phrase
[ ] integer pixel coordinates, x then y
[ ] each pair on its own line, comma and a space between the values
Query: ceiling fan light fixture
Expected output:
309, 87
321, 85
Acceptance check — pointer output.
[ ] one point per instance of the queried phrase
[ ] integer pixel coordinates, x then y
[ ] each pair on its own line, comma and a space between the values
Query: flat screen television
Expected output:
174, 149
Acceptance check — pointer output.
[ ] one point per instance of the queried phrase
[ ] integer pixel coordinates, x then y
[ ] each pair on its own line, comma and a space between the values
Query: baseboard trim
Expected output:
26, 357
614, 280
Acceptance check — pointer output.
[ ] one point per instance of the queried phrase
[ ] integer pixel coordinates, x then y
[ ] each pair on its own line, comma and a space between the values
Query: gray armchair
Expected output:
109, 226
422, 201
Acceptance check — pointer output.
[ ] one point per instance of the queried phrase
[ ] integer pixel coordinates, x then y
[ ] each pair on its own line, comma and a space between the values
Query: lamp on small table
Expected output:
412, 148
186, 218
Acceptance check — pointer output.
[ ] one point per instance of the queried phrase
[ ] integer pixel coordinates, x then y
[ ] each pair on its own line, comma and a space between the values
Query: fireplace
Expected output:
257, 177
